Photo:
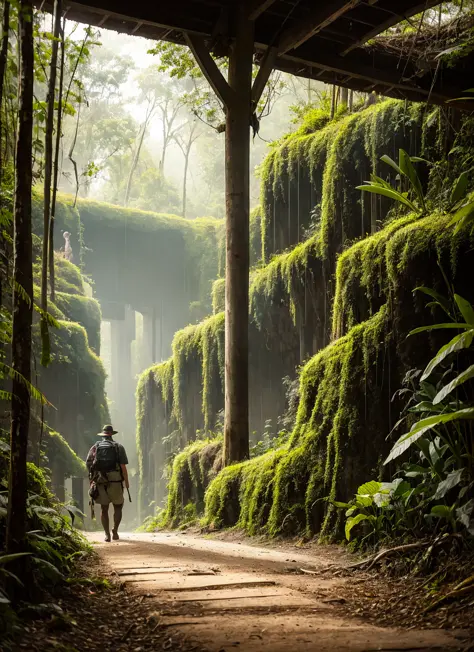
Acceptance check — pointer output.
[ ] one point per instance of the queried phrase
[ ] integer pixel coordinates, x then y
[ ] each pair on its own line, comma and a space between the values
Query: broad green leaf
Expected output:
424, 406
459, 380
458, 343
443, 302
463, 216
379, 181
402, 488
49, 568
382, 499
392, 194
333, 502
409, 171
451, 481
391, 162
369, 488
438, 327
441, 511
459, 188
423, 426
352, 522
5, 559
465, 309
464, 513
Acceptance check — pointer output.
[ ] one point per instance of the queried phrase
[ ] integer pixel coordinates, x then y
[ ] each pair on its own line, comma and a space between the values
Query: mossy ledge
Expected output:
303, 311
345, 409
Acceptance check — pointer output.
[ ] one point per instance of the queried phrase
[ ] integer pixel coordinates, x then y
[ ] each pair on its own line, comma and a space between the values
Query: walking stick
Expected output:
128, 491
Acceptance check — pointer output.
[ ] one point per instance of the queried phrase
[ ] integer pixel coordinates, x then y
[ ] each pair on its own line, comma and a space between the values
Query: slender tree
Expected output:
56, 165
22, 289
48, 173
138, 148
3, 62
185, 145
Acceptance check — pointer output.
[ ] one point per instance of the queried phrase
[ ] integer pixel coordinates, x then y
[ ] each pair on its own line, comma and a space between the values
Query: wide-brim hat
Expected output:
108, 430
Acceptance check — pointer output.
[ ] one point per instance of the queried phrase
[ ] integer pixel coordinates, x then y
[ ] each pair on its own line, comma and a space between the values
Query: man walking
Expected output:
106, 462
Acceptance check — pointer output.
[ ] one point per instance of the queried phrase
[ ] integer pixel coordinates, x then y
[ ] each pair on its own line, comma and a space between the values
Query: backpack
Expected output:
106, 457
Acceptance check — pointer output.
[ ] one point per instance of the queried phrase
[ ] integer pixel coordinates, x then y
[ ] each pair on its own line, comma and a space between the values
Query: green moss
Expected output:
85, 311
192, 471
218, 295
222, 497
68, 277
58, 450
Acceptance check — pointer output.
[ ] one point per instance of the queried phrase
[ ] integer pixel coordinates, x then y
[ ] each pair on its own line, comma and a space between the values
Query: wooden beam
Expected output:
395, 18
321, 16
266, 66
257, 7
362, 74
209, 68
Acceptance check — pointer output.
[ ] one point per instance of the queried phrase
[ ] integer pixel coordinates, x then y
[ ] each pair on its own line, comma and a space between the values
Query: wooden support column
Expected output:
237, 176
239, 100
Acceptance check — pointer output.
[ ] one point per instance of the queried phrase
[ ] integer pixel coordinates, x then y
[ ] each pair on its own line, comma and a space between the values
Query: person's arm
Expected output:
125, 475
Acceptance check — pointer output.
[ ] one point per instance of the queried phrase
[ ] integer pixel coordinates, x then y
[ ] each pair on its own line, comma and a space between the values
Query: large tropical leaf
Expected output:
443, 302
451, 481
463, 216
388, 192
459, 189
465, 309
439, 327
351, 522
458, 343
459, 380
6, 559
409, 171
391, 162
369, 488
419, 429
15, 375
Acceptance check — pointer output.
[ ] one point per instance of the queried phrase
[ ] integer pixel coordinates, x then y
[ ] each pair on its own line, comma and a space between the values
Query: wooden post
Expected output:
236, 425
240, 99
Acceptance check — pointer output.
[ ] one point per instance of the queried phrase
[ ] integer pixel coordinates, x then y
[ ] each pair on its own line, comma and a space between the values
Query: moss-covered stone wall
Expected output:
346, 406
73, 382
304, 312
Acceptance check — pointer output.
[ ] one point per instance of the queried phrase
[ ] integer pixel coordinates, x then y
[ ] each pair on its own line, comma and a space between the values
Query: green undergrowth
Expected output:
52, 547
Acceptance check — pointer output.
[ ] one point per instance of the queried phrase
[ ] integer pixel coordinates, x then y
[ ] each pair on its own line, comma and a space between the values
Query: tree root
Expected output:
464, 587
375, 559
371, 561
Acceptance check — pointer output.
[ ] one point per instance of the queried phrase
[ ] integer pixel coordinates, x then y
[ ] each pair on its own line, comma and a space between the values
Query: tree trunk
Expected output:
56, 165
344, 96
185, 178
3, 64
333, 102
236, 427
136, 157
22, 276
351, 101
48, 171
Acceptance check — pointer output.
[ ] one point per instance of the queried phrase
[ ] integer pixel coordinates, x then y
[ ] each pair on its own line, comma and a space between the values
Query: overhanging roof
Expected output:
318, 39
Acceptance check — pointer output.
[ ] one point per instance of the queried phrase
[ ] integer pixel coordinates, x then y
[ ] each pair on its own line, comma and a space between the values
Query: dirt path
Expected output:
226, 596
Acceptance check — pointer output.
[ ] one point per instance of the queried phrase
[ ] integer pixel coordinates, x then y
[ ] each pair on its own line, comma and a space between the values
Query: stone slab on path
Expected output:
226, 596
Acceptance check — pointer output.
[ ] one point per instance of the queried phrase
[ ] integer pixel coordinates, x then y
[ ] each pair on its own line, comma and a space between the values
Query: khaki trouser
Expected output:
110, 491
